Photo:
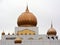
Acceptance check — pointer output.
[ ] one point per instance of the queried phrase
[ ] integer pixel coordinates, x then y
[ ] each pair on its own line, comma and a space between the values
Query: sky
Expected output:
44, 10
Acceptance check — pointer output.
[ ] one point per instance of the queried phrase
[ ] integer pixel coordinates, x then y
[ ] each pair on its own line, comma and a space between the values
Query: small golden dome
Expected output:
51, 31
12, 33
18, 40
8, 33
27, 19
3, 33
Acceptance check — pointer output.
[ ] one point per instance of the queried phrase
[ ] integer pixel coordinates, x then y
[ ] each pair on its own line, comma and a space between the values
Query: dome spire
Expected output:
27, 10
51, 24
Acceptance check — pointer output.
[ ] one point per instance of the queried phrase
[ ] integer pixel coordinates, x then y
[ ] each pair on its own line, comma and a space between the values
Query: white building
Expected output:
27, 33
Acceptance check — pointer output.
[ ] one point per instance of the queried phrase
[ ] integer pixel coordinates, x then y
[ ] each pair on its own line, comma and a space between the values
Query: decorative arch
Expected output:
26, 32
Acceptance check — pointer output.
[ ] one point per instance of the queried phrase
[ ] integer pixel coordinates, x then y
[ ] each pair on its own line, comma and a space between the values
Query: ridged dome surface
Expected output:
51, 31
27, 19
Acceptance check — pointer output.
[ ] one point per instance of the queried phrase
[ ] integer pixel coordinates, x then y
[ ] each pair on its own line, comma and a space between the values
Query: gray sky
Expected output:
44, 10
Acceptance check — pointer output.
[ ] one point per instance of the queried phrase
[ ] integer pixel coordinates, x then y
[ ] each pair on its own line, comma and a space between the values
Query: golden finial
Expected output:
27, 10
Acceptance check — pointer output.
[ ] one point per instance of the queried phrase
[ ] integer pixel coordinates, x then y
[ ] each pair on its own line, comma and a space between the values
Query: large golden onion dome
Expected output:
27, 19
51, 31
18, 40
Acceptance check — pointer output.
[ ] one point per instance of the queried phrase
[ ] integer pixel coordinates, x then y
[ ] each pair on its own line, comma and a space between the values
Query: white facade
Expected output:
36, 39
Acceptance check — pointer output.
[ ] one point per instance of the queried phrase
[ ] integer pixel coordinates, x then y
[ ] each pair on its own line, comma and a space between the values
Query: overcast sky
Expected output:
44, 10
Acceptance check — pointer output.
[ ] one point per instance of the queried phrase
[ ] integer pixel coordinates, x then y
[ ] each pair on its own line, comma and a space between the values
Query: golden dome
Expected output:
27, 19
8, 33
12, 33
51, 31
3, 33
18, 40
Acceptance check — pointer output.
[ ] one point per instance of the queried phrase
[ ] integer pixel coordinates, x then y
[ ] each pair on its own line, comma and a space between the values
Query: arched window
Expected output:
25, 33
29, 33
21, 33
40, 38
30, 38
52, 38
33, 33
56, 37
48, 37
